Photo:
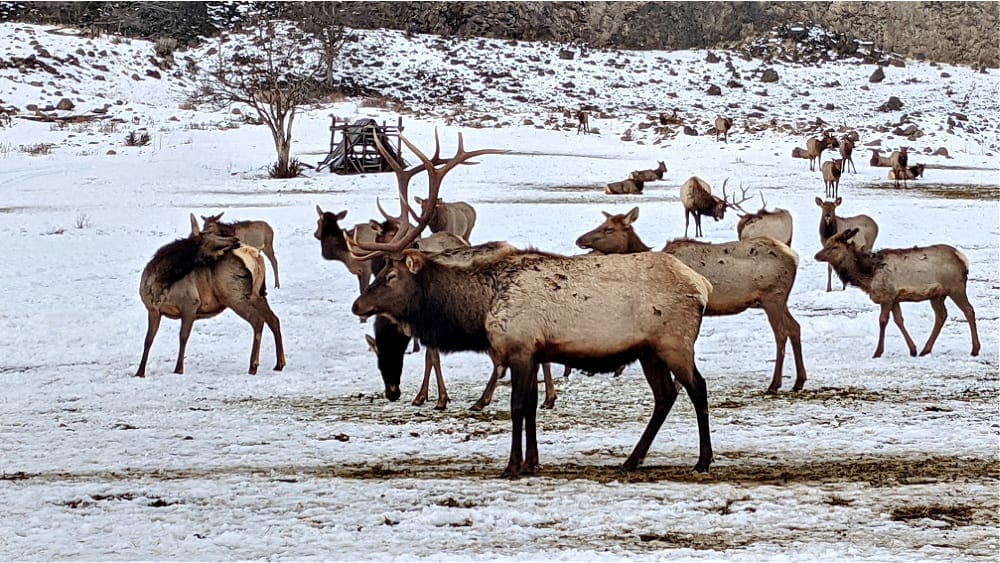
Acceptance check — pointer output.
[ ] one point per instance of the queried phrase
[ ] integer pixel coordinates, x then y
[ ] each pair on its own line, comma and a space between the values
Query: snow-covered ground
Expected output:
878, 459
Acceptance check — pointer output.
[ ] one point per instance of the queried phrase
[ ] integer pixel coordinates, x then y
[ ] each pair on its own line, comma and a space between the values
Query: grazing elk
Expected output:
894, 276
909, 173
722, 127
757, 272
625, 187
199, 277
847, 153
815, 148
582, 122
776, 224
697, 198
649, 175
832, 170
898, 159
528, 307
879, 161
457, 217
257, 234
830, 224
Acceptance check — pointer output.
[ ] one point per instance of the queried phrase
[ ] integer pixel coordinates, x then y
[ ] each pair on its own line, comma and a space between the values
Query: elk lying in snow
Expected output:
257, 234
830, 224
722, 127
898, 159
456, 217
697, 198
333, 243
878, 160
832, 170
199, 277
909, 173
649, 175
894, 276
757, 272
847, 153
815, 147
776, 224
582, 122
625, 187
527, 307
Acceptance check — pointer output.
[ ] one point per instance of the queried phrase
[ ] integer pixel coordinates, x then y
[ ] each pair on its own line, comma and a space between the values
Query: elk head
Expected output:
333, 242
828, 218
611, 236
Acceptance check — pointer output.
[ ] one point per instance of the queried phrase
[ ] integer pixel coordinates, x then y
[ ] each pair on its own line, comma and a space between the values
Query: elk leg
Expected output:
258, 332
962, 301
566, 371
530, 464
442, 402
257, 312
794, 331
883, 320
522, 380
152, 326
487, 396
897, 317
269, 252
776, 319
550, 387
421, 397
687, 218
275, 327
187, 322
664, 394
829, 278
940, 314
680, 362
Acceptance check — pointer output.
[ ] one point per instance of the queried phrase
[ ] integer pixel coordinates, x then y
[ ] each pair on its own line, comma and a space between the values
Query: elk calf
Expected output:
199, 277
832, 170
649, 175
815, 148
257, 234
722, 127
830, 224
894, 276
847, 153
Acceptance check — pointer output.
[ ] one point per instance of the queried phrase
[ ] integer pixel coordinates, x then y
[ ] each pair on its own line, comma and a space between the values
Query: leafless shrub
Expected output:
293, 169
134, 139
82, 221
37, 149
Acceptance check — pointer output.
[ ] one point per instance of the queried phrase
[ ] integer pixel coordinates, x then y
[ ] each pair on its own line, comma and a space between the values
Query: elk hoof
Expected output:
702, 466
913, 352
279, 366
477, 406
924, 352
419, 401
512, 471
441, 405
549, 403
771, 391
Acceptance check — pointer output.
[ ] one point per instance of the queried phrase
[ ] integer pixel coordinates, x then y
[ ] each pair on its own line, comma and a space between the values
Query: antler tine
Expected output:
735, 204
763, 202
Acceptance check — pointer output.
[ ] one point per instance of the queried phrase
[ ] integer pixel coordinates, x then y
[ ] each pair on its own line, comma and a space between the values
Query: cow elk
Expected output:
909, 173
333, 243
650, 175
815, 148
756, 273
199, 277
257, 234
457, 217
832, 170
582, 122
625, 187
847, 153
879, 161
898, 159
776, 224
894, 276
722, 127
830, 224
528, 307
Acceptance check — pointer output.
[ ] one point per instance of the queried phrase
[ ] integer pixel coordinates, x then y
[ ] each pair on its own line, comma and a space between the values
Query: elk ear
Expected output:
339, 216
371, 344
819, 202
419, 200
838, 201
195, 230
376, 226
414, 262
606, 214
849, 234
631, 216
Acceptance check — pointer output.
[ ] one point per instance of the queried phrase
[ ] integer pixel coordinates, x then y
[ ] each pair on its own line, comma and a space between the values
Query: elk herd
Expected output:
421, 279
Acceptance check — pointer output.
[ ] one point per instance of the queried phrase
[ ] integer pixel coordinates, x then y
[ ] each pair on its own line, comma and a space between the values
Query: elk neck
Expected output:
449, 308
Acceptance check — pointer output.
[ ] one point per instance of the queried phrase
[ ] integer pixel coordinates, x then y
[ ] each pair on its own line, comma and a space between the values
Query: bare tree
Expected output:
324, 22
272, 73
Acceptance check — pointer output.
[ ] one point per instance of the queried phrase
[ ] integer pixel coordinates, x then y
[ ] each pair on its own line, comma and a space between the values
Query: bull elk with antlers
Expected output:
257, 234
894, 276
697, 198
528, 307
199, 277
756, 272
776, 224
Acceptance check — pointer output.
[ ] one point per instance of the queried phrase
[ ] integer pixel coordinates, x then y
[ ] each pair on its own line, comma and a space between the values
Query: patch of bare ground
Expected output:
947, 191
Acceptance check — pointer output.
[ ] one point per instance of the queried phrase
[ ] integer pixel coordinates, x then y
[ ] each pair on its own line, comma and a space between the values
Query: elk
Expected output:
909, 173
649, 175
878, 160
625, 187
776, 224
582, 122
832, 170
894, 276
257, 234
898, 160
722, 127
457, 217
815, 147
199, 277
528, 307
847, 153
697, 198
756, 273
830, 224
333, 243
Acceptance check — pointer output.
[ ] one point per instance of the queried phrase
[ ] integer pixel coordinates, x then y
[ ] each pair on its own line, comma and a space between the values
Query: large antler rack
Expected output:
436, 169
735, 205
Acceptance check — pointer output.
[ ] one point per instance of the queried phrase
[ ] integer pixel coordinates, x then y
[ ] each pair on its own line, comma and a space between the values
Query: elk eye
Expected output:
609, 231
391, 277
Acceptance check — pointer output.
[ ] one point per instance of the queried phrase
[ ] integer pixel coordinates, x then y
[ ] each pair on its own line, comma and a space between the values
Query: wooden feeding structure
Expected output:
356, 152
